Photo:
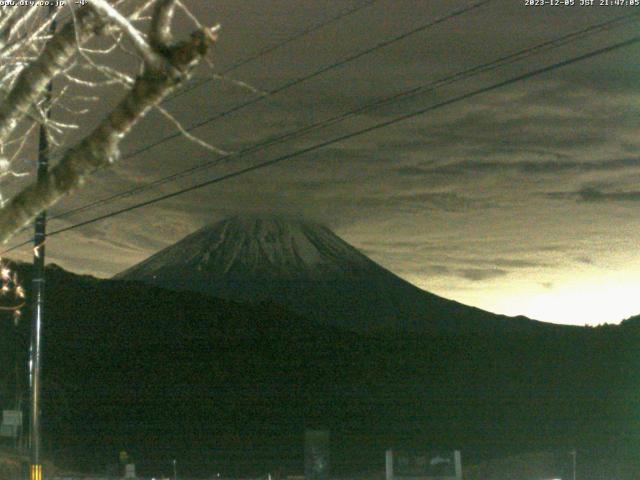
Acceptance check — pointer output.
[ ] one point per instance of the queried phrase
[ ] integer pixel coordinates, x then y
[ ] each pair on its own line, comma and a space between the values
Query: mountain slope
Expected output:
306, 267
230, 388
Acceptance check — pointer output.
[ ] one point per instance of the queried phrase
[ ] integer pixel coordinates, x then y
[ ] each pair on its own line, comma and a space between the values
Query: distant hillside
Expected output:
631, 322
228, 387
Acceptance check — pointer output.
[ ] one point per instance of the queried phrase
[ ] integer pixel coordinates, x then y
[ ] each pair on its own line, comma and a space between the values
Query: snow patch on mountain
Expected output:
250, 246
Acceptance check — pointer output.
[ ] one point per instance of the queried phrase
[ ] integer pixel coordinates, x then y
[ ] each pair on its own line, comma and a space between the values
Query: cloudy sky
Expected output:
521, 200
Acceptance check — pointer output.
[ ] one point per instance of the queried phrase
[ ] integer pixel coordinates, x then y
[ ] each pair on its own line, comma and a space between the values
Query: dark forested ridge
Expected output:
228, 387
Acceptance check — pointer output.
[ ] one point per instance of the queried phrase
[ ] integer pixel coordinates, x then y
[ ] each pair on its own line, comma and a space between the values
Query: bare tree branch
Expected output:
101, 147
32, 81
189, 136
160, 31
145, 50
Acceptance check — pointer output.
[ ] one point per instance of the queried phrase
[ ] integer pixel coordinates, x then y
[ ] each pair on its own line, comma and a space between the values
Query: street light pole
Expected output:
573, 454
35, 361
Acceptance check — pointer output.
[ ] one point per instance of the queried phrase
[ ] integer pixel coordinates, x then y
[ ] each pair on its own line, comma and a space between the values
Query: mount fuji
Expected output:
307, 268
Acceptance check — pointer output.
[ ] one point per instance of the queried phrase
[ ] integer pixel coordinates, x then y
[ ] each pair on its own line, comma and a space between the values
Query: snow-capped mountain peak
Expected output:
306, 267
250, 246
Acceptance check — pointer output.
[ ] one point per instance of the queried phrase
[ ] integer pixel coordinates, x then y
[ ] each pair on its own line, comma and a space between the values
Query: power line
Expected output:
307, 31
263, 52
439, 20
267, 50
286, 86
341, 138
314, 74
415, 91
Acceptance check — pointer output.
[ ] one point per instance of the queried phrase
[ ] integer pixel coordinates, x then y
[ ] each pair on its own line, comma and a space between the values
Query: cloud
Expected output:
436, 269
545, 167
447, 201
595, 195
468, 268
411, 171
585, 260
471, 274
516, 263
480, 274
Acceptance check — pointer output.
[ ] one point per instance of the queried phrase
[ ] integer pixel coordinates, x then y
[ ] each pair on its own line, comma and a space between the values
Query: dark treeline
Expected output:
230, 388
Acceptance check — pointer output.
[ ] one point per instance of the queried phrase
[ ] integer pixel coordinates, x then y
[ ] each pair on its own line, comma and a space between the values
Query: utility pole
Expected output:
573, 454
35, 360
